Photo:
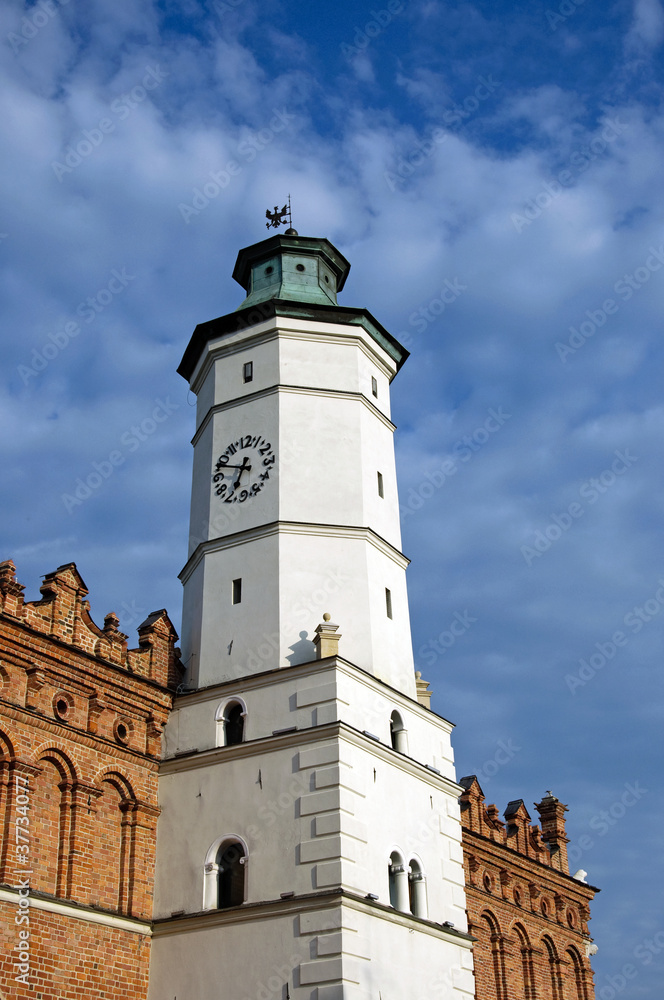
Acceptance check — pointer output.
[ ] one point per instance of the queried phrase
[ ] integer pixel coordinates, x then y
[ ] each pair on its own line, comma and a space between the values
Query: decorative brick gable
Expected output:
529, 915
81, 717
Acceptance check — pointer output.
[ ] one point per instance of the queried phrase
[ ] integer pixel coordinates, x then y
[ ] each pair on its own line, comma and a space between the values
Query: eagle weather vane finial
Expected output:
279, 217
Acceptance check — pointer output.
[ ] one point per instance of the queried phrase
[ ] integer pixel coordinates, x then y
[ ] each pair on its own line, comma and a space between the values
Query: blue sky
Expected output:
493, 171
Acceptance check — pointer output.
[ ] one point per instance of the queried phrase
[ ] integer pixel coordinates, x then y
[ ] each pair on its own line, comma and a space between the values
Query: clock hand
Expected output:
241, 468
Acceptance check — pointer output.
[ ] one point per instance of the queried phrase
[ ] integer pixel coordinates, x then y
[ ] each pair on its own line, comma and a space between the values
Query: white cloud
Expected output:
448, 216
646, 32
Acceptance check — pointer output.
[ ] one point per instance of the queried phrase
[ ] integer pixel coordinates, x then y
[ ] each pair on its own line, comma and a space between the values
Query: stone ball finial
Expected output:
327, 616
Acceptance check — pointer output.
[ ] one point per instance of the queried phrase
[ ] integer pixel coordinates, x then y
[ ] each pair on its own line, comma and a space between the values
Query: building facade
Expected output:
81, 718
308, 838
529, 916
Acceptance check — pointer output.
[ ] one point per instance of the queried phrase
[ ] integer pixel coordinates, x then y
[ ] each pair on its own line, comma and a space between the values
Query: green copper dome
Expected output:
292, 268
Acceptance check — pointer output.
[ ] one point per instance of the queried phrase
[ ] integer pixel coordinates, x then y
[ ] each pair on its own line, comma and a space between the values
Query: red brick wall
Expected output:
73, 959
87, 834
529, 916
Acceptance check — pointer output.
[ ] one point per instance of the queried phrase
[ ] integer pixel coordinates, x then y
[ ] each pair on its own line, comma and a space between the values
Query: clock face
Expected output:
243, 469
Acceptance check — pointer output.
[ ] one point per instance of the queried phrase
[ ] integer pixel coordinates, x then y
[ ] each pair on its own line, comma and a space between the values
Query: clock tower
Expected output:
309, 844
294, 501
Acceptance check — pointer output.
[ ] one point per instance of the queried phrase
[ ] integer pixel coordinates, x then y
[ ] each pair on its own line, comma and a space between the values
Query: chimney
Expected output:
552, 818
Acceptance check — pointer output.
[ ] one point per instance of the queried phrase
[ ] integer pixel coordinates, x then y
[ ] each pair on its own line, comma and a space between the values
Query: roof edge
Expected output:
250, 316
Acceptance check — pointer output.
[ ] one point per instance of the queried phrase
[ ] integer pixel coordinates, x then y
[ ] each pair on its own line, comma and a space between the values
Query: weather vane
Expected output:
279, 218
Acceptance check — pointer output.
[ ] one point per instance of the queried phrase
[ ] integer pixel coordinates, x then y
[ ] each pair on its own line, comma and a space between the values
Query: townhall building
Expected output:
271, 812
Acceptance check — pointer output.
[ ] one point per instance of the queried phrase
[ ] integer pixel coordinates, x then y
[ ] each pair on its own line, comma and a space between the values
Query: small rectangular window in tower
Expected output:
237, 591
388, 602
248, 371
374, 387
381, 492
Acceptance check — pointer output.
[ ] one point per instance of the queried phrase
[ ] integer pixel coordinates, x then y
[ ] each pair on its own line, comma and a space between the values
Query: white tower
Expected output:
309, 844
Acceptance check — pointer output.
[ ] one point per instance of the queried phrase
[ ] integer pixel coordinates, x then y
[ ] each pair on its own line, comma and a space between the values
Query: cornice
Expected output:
294, 905
293, 528
193, 760
278, 387
65, 731
68, 908
264, 317
116, 671
312, 667
491, 849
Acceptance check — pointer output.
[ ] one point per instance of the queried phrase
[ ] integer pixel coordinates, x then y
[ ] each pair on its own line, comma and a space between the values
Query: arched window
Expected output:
527, 984
575, 977
398, 881
417, 889
234, 724
48, 830
230, 879
230, 718
107, 888
489, 958
553, 988
398, 733
225, 874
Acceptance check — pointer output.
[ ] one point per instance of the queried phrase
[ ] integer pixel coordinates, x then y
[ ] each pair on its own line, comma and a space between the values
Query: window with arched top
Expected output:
225, 874
551, 981
398, 733
526, 983
490, 972
234, 724
231, 722
575, 977
230, 878
417, 889
398, 882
